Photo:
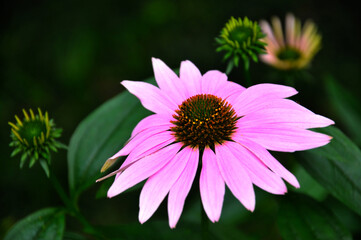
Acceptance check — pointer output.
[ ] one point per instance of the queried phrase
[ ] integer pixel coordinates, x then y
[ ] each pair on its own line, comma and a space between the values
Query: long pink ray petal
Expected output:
283, 117
278, 103
258, 172
235, 176
211, 186
158, 185
181, 188
149, 145
212, 81
284, 138
168, 81
191, 77
152, 121
270, 161
230, 91
151, 97
142, 169
260, 93
139, 138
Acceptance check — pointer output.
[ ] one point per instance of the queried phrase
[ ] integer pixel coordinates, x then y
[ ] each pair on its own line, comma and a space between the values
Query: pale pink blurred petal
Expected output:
278, 32
290, 29
211, 186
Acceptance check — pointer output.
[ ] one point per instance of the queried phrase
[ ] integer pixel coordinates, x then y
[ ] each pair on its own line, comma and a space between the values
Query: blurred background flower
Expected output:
293, 48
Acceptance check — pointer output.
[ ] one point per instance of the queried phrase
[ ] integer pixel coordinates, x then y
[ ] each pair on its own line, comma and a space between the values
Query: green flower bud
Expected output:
34, 137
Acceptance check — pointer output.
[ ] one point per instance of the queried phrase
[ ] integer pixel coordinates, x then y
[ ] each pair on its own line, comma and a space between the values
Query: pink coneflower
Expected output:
296, 49
219, 125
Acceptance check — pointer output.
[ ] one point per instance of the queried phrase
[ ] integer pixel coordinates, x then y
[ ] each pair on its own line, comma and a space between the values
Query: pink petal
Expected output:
271, 40
181, 187
260, 175
211, 186
284, 138
290, 29
278, 103
270, 161
235, 176
142, 169
168, 81
258, 94
230, 91
151, 97
139, 138
191, 77
158, 185
212, 81
149, 146
152, 121
283, 117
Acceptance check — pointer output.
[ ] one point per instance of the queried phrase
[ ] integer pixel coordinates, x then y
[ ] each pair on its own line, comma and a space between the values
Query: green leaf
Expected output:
99, 136
45, 166
347, 108
48, 223
302, 218
336, 167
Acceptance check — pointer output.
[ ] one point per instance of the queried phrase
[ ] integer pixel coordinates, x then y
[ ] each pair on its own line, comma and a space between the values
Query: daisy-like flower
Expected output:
207, 121
296, 49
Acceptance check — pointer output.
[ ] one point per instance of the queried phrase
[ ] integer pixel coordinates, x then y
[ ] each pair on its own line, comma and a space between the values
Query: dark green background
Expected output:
68, 57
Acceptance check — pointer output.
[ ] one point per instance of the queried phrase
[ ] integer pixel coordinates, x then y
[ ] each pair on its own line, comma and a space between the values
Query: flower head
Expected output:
34, 137
241, 39
207, 121
296, 49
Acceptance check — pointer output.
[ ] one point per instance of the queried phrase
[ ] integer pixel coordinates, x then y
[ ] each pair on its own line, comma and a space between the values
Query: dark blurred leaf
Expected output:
346, 106
99, 136
302, 218
336, 166
152, 230
48, 223
309, 186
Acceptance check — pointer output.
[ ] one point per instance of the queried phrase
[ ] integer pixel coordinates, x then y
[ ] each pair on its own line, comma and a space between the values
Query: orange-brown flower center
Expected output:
203, 121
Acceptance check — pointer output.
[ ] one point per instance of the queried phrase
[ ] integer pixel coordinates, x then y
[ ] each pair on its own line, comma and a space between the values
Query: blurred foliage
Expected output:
68, 57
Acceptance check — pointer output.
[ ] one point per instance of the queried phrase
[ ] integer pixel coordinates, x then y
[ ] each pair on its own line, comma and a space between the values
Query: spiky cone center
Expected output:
204, 120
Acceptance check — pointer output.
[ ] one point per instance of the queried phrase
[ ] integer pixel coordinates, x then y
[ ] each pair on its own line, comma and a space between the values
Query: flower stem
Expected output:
204, 225
247, 76
72, 208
